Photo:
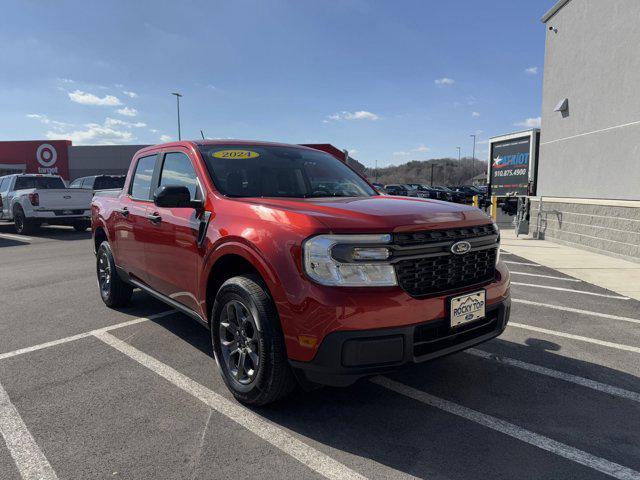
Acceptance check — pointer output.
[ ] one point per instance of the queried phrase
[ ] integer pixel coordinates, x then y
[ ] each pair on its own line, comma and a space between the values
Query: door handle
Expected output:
155, 218
124, 212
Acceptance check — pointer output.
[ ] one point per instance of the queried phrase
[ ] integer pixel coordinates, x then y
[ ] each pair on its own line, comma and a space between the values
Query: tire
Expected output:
114, 291
81, 226
21, 223
243, 300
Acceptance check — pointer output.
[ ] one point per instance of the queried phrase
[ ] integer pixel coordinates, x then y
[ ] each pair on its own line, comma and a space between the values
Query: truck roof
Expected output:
227, 142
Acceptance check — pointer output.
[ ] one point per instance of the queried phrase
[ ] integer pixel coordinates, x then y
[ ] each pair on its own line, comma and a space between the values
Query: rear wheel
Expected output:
22, 224
248, 343
113, 290
81, 226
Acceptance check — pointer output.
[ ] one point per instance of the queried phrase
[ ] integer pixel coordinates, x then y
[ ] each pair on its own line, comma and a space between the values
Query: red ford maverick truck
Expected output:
303, 273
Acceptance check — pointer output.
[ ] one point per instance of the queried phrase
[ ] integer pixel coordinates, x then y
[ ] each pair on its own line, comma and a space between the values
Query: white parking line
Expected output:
567, 377
545, 276
521, 263
83, 335
561, 289
31, 462
576, 310
618, 346
305, 454
545, 443
20, 238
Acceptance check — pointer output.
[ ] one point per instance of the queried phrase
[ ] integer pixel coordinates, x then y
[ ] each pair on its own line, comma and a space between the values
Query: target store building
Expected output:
60, 157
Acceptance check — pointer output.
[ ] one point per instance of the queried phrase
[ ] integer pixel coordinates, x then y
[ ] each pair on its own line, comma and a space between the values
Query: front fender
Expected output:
248, 252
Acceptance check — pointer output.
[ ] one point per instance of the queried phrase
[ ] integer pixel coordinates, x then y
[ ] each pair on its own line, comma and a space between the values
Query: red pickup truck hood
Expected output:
381, 213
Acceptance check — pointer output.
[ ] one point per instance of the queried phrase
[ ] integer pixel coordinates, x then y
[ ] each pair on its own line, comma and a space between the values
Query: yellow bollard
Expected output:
494, 207
475, 201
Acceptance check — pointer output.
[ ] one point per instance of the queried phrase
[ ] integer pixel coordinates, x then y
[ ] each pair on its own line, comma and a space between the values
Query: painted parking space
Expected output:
135, 393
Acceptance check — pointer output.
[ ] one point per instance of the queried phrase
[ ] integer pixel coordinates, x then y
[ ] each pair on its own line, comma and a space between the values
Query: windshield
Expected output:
271, 171
42, 183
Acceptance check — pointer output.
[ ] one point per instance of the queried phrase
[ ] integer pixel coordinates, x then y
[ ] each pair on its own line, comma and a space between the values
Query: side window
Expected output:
178, 170
76, 183
141, 184
88, 183
3, 184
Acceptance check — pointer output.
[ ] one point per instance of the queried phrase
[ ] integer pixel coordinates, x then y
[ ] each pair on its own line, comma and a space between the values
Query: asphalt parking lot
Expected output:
88, 392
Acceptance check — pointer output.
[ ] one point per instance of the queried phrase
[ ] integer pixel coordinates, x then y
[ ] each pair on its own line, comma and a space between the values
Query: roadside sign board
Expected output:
512, 164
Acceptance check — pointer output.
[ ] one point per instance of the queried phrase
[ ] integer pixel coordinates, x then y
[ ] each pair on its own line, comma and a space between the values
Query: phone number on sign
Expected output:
511, 173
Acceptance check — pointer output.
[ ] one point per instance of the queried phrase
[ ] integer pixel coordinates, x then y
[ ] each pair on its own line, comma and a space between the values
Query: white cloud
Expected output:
475, 114
406, 153
444, 81
154, 130
130, 94
531, 71
165, 138
127, 111
86, 98
359, 115
112, 122
94, 134
530, 123
47, 121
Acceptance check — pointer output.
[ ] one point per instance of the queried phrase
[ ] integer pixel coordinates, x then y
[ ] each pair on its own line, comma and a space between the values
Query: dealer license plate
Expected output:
467, 308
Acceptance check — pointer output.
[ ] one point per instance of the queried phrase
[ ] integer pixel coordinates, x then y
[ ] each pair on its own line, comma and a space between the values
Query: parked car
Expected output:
452, 195
29, 200
296, 282
469, 191
394, 189
429, 192
99, 182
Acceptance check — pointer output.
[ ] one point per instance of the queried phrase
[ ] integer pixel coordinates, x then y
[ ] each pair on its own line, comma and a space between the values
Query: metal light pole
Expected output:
474, 146
178, 105
458, 154
376, 171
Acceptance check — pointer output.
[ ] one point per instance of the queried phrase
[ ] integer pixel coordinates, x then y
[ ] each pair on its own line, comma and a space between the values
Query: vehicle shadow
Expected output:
52, 232
369, 425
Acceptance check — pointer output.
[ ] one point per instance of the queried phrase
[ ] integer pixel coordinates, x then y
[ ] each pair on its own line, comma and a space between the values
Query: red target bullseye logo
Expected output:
46, 155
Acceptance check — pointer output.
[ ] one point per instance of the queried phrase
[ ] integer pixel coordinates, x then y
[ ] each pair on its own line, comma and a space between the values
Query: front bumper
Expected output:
346, 356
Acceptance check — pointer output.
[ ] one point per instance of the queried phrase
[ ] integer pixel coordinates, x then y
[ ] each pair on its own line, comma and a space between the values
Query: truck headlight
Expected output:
495, 226
349, 260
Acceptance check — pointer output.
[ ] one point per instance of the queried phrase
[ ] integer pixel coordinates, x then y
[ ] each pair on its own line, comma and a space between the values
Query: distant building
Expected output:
478, 180
589, 168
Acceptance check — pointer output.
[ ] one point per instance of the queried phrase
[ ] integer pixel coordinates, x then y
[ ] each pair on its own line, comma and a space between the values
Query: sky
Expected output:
391, 81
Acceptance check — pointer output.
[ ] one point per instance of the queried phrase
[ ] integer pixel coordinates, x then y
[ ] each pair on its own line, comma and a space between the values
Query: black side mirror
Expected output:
174, 196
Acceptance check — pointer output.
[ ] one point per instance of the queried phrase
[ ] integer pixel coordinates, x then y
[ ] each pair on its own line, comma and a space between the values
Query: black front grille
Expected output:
435, 336
450, 234
429, 275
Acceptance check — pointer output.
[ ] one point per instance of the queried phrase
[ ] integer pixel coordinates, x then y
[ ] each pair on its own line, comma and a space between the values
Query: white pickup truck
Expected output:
29, 200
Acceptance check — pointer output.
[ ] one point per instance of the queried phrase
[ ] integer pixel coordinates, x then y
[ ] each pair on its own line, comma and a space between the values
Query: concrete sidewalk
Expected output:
614, 274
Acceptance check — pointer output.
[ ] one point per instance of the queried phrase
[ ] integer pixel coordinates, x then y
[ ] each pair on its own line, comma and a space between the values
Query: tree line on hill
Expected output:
436, 171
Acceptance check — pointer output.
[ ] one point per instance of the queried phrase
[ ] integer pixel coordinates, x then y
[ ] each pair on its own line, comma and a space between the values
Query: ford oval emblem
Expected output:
460, 248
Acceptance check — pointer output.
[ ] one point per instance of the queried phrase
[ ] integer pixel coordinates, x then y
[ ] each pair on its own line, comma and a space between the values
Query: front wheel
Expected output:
248, 342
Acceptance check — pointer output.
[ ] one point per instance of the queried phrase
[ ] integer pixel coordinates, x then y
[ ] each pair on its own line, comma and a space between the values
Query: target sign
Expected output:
46, 155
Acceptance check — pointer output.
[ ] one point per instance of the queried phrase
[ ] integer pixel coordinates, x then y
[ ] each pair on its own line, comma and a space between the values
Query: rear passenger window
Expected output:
141, 184
178, 170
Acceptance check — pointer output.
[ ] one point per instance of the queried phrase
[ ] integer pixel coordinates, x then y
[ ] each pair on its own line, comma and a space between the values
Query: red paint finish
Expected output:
37, 156
269, 234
